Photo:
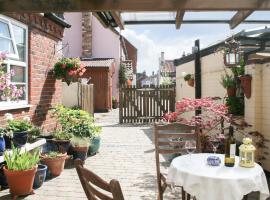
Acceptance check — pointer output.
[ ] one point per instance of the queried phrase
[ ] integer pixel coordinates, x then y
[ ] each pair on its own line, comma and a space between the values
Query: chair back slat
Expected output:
170, 151
176, 135
90, 182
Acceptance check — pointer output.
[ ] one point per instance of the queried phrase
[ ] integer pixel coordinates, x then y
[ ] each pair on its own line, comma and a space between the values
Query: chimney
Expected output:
162, 59
86, 34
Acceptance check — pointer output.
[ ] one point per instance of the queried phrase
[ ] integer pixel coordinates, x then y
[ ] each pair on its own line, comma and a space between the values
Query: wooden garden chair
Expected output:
169, 139
93, 185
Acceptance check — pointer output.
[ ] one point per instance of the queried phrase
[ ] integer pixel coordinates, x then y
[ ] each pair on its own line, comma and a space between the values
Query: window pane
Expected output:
19, 34
6, 45
4, 30
23, 97
21, 52
19, 74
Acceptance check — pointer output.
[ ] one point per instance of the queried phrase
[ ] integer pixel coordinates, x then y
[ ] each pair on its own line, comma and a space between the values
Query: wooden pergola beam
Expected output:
239, 17
118, 19
130, 5
179, 18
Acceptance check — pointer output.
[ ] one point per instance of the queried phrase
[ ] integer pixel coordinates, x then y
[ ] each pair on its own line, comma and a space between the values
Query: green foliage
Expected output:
33, 133
52, 154
18, 125
76, 122
228, 81
62, 135
17, 161
188, 77
235, 105
80, 142
2, 132
122, 75
113, 99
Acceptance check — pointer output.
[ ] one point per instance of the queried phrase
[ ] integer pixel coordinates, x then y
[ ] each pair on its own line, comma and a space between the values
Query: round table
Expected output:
216, 182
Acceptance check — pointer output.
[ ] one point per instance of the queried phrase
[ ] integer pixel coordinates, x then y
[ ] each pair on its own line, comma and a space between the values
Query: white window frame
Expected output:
13, 59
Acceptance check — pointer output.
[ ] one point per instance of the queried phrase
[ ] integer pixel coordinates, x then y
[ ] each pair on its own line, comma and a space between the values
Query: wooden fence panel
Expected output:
87, 98
146, 104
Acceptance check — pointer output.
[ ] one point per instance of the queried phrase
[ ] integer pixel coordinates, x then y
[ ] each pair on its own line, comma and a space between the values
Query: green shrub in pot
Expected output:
95, 140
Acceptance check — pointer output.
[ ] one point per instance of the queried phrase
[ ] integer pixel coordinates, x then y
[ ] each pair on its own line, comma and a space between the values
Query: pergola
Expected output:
117, 12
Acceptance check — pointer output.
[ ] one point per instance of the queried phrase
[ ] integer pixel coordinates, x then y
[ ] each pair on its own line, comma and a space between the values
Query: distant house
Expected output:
140, 77
150, 80
34, 43
89, 39
167, 71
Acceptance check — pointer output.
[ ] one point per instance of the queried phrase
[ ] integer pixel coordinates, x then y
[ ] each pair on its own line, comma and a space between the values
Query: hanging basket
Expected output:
191, 82
246, 85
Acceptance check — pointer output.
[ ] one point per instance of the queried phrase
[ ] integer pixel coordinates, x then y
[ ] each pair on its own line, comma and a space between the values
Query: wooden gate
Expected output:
146, 104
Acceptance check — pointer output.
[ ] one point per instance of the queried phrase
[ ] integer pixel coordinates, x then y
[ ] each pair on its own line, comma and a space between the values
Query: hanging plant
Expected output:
189, 78
229, 83
68, 69
122, 75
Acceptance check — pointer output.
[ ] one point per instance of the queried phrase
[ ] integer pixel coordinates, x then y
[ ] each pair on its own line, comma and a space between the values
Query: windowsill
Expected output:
14, 107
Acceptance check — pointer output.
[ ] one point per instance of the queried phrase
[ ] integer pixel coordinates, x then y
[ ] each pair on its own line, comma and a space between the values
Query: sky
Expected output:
151, 40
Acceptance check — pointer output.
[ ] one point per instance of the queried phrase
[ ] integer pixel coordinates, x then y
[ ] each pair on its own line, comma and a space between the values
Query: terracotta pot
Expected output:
246, 85
231, 92
191, 82
20, 182
80, 152
55, 165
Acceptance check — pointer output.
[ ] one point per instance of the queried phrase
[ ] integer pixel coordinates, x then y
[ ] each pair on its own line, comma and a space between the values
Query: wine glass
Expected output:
190, 146
215, 143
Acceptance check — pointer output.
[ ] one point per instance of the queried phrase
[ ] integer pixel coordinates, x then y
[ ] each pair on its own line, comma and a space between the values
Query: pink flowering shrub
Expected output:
8, 91
170, 117
212, 112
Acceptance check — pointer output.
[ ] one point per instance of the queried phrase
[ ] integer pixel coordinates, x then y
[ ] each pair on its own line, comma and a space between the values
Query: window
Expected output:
13, 39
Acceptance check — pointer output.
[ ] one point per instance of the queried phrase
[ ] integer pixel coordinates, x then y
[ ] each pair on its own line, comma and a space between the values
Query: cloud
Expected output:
149, 49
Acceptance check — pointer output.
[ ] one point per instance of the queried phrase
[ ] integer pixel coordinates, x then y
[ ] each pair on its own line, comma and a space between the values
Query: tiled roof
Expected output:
97, 62
168, 66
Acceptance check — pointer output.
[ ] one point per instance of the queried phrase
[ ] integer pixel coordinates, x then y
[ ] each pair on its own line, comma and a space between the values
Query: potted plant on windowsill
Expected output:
19, 129
20, 171
229, 83
55, 162
80, 147
189, 78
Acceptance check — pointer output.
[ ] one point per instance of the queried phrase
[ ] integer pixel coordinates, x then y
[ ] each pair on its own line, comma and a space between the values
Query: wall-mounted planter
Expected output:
231, 91
246, 85
191, 82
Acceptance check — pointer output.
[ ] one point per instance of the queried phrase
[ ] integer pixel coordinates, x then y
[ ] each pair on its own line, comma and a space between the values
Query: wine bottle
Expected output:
230, 149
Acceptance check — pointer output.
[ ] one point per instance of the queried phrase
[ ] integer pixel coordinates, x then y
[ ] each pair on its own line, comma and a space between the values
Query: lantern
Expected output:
247, 153
232, 54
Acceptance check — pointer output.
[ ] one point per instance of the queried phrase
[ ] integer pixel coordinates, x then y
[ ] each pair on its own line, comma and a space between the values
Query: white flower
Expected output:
184, 74
26, 118
9, 116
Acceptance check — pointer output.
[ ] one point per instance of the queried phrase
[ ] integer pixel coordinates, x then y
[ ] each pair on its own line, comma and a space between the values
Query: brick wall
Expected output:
86, 34
44, 36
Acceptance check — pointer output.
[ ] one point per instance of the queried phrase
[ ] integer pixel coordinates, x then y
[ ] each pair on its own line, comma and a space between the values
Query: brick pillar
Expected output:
86, 34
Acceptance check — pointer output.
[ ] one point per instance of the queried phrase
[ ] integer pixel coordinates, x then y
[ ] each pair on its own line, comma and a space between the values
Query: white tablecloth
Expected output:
216, 183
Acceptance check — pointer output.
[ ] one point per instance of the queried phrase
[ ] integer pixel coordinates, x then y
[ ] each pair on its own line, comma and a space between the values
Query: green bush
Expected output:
17, 125
228, 81
17, 161
235, 105
188, 77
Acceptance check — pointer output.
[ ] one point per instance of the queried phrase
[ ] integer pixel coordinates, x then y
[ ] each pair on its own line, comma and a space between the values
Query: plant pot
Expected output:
40, 176
20, 182
80, 152
49, 146
94, 146
55, 165
114, 105
2, 146
246, 84
231, 91
7, 141
191, 82
3, 179
63, 145
20, 138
